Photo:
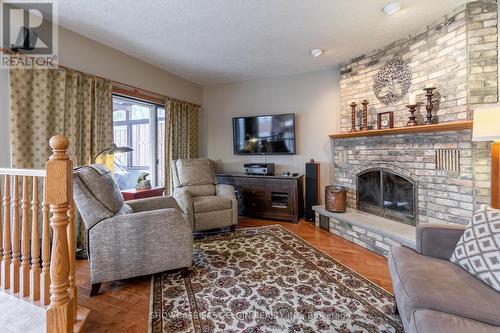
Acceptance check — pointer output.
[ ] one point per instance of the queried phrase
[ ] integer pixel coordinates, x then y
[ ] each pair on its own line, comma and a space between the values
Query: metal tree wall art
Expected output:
392, 81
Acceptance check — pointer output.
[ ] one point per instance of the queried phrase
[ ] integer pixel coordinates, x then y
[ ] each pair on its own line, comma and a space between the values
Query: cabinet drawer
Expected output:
288, 183
254, 204
251, 182
253, 192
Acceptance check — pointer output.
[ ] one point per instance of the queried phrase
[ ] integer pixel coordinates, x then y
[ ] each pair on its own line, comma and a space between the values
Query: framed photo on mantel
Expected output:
385, 120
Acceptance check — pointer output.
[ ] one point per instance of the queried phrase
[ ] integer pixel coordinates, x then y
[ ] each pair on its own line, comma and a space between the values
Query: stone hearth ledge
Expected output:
372, 232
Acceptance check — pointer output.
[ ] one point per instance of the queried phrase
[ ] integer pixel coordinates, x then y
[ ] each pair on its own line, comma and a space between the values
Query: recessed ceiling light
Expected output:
392, 8
316, 52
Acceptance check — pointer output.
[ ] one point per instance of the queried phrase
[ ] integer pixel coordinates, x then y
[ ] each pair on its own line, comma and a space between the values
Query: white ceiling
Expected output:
216, 41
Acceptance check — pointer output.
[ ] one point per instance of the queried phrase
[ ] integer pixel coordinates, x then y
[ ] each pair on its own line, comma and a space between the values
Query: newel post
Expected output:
58, 194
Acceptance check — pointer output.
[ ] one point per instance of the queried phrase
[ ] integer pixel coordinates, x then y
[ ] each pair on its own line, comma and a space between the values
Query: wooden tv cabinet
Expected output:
268, 197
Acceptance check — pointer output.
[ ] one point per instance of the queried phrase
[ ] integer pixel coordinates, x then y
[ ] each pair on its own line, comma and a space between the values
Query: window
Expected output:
140, 125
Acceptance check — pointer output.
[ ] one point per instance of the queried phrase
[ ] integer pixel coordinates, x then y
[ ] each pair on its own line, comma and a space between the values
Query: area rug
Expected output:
267, 280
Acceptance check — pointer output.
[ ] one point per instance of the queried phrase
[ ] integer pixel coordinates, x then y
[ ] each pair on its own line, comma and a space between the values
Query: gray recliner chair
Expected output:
205, 204
124, 240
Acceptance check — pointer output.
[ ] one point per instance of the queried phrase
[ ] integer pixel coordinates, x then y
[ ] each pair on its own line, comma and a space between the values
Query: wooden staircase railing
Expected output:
41, 271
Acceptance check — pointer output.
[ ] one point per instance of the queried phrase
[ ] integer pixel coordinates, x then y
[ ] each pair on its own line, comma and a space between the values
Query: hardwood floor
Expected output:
123, 306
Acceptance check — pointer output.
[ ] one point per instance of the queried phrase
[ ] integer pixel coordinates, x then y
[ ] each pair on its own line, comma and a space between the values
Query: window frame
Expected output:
153, 122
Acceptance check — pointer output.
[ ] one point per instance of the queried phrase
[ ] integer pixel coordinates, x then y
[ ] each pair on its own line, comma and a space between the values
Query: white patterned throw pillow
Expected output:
478, 250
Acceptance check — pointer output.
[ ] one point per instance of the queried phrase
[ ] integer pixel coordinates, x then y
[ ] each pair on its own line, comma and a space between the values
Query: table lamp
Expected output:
487, 128
106, 156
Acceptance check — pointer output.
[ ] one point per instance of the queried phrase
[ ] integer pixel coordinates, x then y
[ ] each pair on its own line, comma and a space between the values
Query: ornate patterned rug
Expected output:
267, 280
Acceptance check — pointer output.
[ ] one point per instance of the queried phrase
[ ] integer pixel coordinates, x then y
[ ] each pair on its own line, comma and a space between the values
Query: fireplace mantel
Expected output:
449, 126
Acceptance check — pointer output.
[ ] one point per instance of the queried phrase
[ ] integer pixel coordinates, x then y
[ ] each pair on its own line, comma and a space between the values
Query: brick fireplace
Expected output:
443, 192
447, 173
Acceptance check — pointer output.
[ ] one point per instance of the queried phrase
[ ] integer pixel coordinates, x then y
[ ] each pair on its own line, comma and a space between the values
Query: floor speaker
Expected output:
312, 189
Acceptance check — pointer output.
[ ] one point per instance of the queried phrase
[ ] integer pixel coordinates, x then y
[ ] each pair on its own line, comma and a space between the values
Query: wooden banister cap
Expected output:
59, 144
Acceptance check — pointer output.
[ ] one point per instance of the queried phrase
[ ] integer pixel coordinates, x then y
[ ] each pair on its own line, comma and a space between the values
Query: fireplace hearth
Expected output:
387, 194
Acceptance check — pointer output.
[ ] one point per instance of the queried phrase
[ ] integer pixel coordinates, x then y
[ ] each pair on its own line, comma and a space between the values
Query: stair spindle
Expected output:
16, 239
35, 245
45, 276
15, 264
72, 254
25, 241
6, 236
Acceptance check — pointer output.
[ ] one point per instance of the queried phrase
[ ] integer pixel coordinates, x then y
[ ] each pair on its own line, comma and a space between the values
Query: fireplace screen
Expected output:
387, 194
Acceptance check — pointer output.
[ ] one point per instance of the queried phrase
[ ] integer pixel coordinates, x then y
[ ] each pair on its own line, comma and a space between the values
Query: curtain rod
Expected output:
116, 83
135, 89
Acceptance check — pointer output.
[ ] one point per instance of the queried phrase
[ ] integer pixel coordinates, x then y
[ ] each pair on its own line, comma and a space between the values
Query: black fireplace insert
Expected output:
388, 194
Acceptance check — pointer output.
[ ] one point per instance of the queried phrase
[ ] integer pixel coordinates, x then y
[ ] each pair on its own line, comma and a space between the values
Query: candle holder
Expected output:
429, 119
353, 117
413, 118
364, 126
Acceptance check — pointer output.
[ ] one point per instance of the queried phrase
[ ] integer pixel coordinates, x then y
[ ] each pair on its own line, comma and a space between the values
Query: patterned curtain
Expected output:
47, 102
181, 135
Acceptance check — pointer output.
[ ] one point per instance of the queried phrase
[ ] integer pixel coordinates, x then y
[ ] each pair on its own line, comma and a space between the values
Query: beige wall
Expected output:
86, 55
313, 97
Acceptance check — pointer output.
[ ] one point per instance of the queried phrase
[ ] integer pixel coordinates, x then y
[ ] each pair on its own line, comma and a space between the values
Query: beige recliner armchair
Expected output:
128, 239
204, 203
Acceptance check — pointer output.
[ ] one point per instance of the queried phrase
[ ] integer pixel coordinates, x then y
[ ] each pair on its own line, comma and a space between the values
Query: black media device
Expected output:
264, 135
263, 169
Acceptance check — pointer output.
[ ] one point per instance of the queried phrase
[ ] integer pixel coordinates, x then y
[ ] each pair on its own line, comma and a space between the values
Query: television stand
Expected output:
267, 197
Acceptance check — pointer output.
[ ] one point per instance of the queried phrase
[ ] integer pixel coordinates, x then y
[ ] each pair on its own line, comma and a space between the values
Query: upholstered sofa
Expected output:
204, 203
434, 295
124, 240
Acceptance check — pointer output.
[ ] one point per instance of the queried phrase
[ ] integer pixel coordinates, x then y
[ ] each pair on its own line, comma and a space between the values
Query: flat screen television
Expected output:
264, 135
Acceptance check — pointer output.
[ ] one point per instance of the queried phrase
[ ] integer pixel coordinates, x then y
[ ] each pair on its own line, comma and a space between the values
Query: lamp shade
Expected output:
113, 149
486, 123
